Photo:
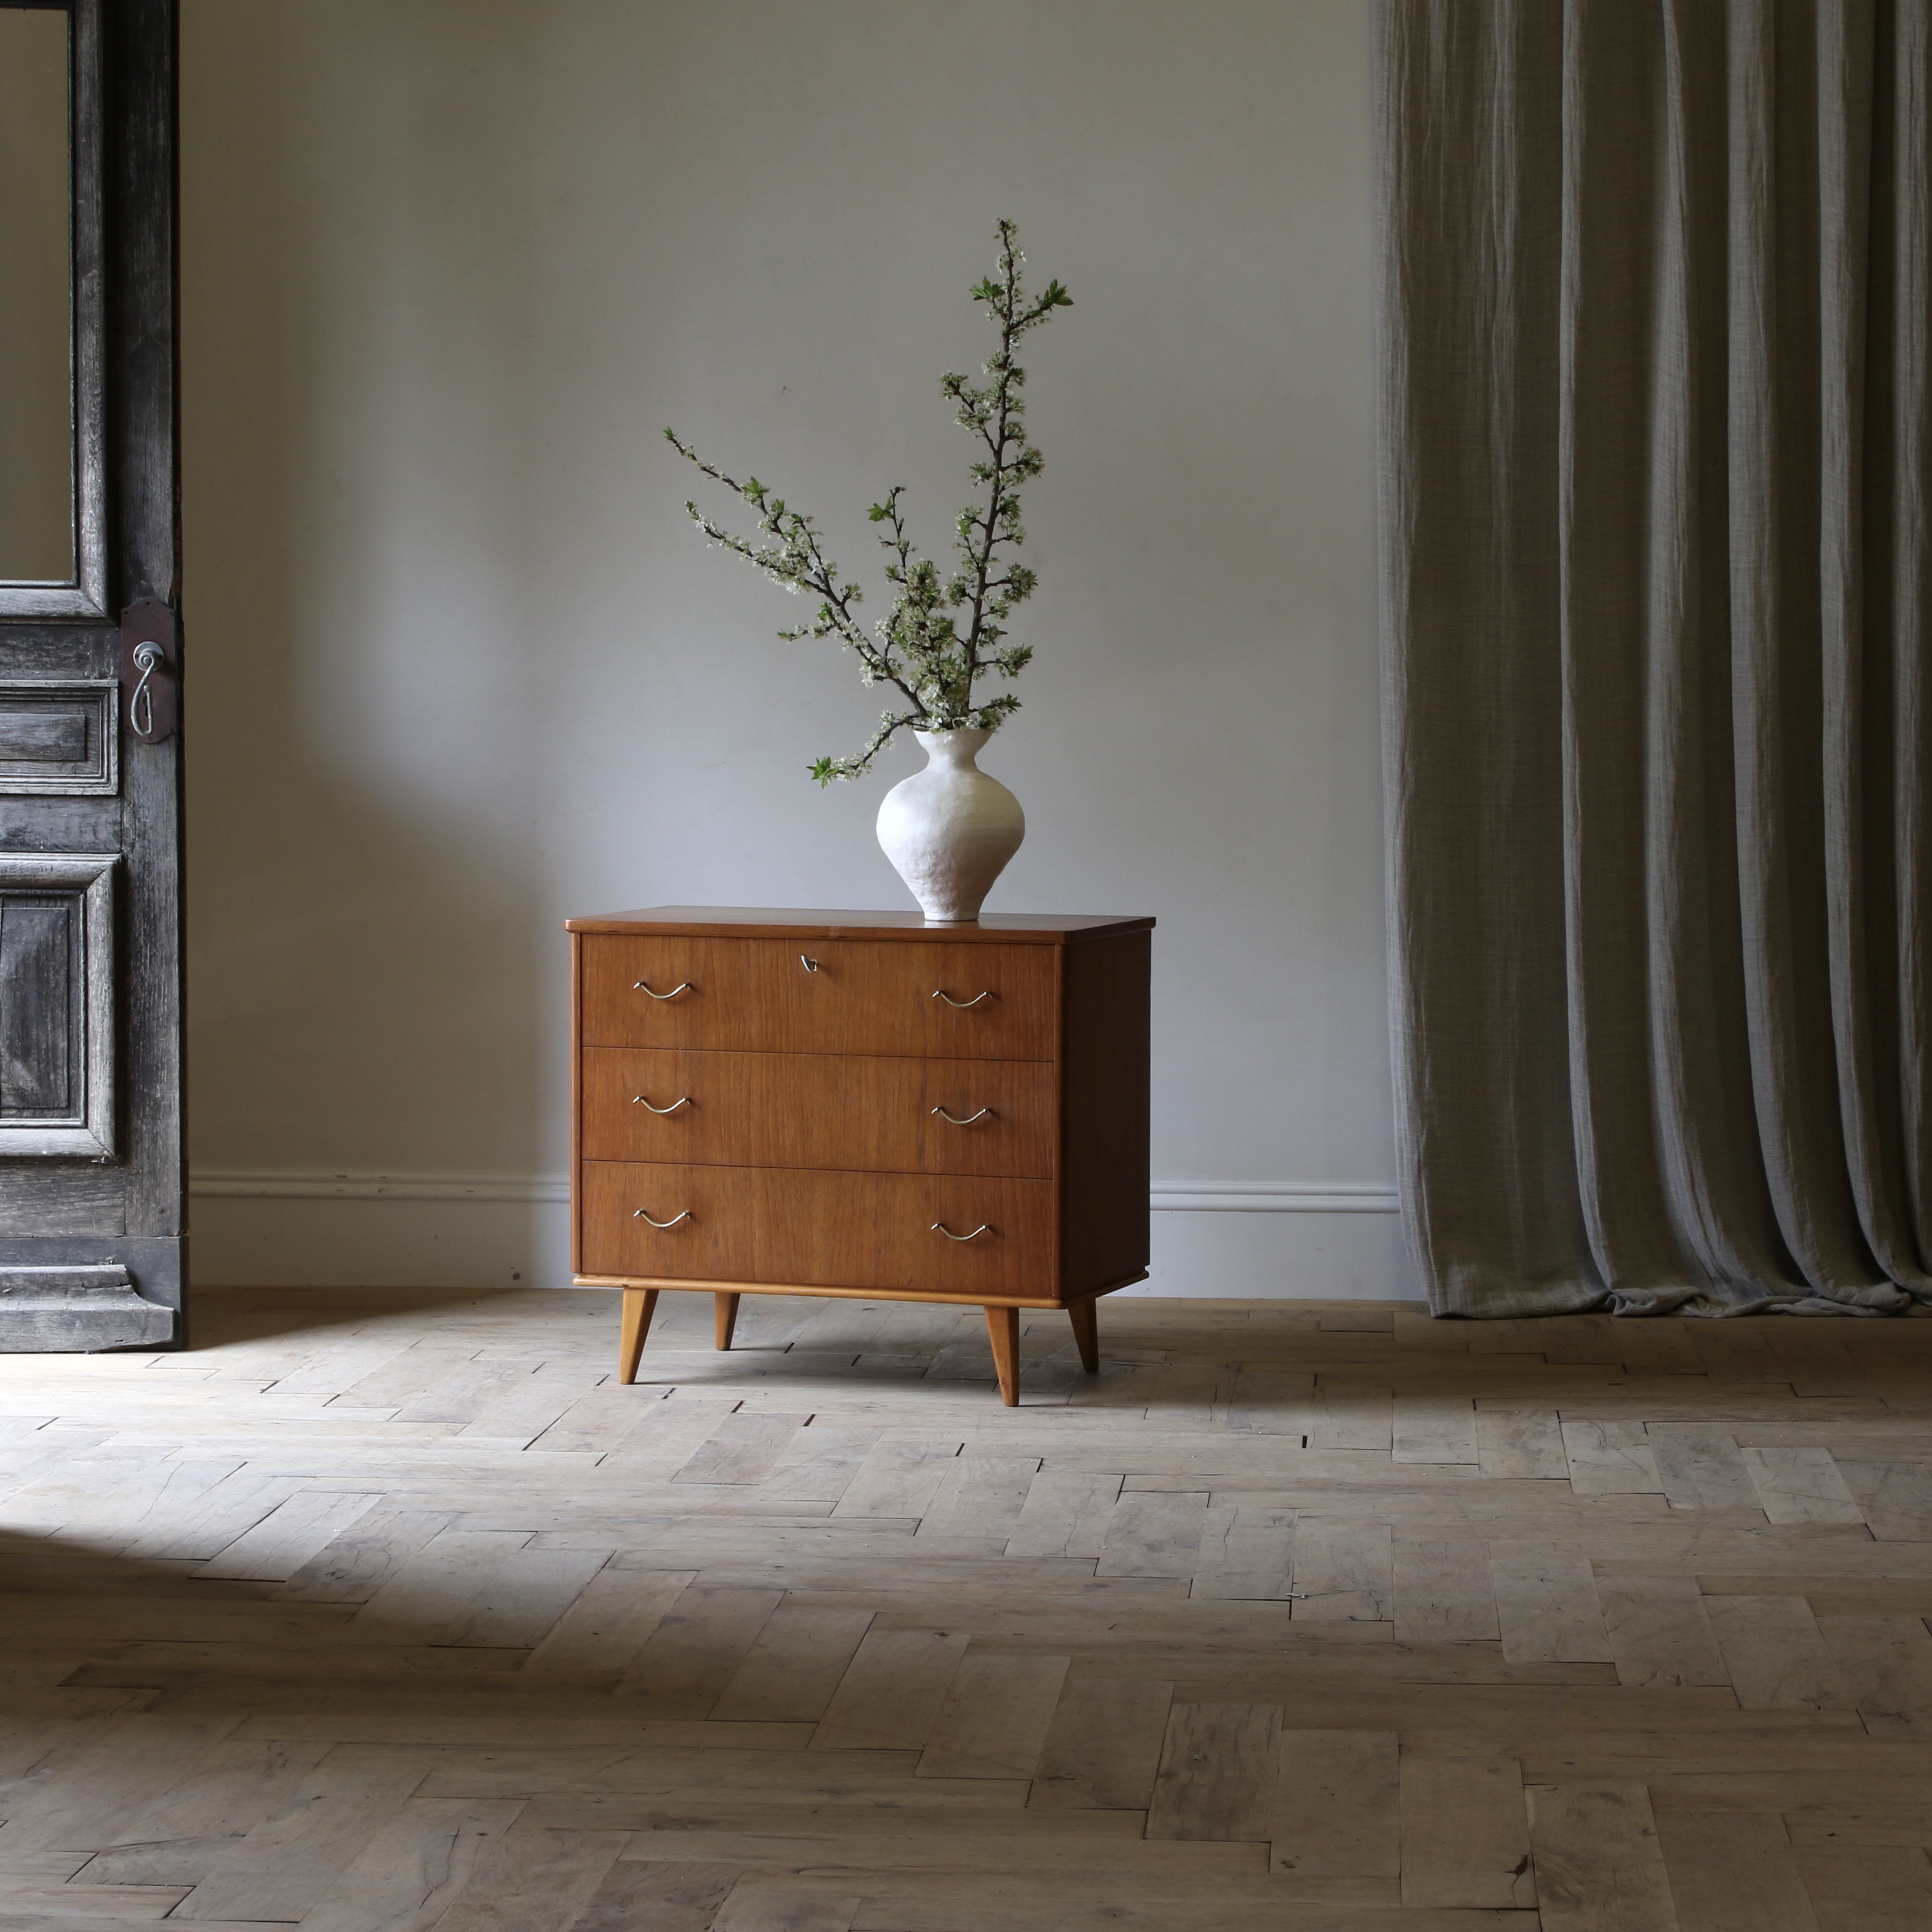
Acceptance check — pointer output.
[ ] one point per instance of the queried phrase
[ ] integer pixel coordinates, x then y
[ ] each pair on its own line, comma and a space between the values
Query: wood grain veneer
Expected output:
755, 995
813, 1228
1104, 1112
866, 1113
799, 1058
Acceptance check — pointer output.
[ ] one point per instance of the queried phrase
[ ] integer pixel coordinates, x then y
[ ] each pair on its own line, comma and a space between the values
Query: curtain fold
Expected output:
1654, 572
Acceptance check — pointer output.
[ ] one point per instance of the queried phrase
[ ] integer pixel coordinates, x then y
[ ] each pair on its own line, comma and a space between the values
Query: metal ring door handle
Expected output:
641, 1214
941, 1227
939, 993
148, 658
984, 1114
638, 1100
640, 987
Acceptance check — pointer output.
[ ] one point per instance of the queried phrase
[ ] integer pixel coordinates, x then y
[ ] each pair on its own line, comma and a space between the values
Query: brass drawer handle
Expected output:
939, 993
641, 1214
984, 1114
941, 1227
638, 1100
640, 987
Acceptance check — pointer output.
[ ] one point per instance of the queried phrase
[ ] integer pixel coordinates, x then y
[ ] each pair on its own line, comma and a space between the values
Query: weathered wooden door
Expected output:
92, 1234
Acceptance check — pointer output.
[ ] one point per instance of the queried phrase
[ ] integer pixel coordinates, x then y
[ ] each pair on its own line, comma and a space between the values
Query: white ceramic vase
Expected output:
950, 829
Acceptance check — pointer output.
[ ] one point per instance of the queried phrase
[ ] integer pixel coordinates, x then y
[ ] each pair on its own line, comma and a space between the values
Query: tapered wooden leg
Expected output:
1086, 1334
727, 1317
639, 1304
1003, 1325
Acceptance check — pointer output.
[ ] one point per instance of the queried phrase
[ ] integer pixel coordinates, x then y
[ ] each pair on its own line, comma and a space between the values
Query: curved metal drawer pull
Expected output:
640, 1214
984, 1114
810, 964
638, 1100
984, 1228
640, 987
939, 993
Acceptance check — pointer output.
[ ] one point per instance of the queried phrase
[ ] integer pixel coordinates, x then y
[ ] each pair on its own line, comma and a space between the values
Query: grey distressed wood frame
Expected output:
89, 876
85, 594
109, 1192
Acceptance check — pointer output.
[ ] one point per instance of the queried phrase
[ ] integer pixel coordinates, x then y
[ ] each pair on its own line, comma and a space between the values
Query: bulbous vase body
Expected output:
949, 830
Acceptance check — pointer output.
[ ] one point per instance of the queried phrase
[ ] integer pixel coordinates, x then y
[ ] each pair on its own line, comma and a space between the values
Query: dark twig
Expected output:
920, 648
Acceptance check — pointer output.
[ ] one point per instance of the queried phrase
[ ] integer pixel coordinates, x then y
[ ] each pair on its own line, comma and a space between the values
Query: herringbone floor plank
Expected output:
385, 1611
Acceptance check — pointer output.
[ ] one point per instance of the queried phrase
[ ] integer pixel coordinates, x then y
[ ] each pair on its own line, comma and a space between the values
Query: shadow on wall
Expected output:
364, 957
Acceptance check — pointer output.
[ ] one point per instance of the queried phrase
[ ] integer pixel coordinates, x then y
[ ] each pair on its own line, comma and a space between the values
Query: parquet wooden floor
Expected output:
395, 1612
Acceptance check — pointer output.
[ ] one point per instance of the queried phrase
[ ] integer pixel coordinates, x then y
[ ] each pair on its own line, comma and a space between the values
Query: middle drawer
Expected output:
865, 1114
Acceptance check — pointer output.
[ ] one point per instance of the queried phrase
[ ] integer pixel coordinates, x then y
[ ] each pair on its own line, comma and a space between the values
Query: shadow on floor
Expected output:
226, 1314
75, 1618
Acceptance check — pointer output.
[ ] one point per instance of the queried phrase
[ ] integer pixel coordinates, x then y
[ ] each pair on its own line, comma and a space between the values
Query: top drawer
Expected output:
970, 1002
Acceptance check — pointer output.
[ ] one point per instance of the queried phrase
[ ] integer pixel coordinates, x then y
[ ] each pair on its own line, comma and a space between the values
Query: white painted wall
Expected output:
460, 668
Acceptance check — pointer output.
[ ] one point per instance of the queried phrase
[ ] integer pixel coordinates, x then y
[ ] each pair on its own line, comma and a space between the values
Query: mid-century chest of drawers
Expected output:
860, 1104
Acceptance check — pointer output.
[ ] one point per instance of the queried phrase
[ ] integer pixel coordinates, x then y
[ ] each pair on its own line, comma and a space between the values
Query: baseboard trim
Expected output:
239, 1184
262, 1228
1273, 1197
1168, 1197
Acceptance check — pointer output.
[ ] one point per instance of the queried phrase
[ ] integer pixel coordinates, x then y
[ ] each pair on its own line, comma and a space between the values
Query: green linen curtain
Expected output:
1654, 573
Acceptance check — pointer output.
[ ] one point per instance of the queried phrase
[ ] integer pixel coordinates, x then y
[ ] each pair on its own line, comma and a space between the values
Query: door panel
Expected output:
60, 739
56, 1004
54, 532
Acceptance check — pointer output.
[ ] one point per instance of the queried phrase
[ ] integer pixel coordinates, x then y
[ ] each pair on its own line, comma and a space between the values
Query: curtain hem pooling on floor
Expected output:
1655, 575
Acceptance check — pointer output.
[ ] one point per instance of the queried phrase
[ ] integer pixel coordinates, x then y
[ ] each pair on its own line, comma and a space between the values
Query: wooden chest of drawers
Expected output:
859, 1104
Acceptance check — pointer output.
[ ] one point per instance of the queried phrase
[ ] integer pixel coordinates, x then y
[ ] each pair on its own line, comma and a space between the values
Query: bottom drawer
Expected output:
807, 1228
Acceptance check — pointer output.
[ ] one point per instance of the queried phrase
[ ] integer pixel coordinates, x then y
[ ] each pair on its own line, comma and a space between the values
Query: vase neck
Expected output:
953, 750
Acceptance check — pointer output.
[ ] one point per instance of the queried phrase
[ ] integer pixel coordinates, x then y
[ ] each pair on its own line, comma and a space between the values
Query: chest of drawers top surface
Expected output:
1007, 928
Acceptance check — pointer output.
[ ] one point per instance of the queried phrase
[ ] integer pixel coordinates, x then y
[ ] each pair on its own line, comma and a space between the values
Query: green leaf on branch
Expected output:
931, 657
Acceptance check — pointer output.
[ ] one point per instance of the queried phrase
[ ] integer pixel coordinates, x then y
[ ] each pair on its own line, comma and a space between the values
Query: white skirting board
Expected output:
1263, 1241
1316, 1252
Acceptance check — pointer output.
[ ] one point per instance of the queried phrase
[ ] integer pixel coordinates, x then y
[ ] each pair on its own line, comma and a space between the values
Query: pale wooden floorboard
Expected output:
379, 1610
